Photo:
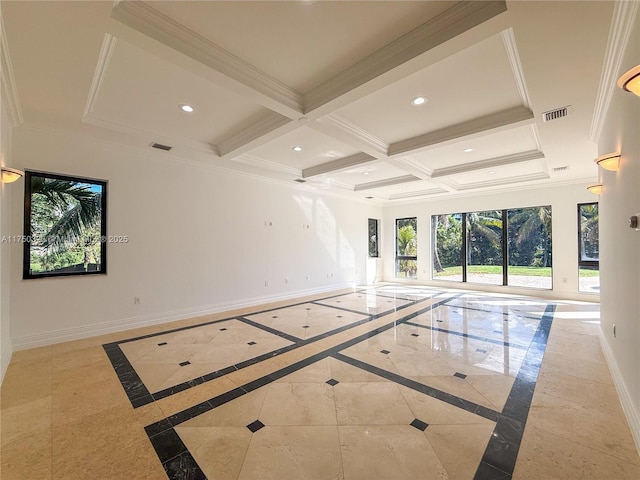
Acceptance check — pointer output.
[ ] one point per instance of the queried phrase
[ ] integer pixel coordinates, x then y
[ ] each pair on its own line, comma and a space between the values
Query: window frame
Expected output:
586, 264
27, 224
405, 257
377, 238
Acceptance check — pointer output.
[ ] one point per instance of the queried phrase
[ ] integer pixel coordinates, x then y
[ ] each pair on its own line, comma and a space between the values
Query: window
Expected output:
529, 247
588, 248
65, 226
406, 247
484, 247
497, 247
447, 248
373, 237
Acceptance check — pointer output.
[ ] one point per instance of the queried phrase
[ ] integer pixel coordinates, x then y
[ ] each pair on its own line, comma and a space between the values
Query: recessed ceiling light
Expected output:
365, 173
186, 108
297, 149
419, 101
468, 150
491, 172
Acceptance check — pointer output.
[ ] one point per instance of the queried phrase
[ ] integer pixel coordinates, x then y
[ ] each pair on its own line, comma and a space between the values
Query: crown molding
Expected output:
266, 164
622, 23
108, 45
9, 89
147, 135
145, 19
511, 118
337, 164
386, 183
488, 163
265, 128
459, 18
509, 41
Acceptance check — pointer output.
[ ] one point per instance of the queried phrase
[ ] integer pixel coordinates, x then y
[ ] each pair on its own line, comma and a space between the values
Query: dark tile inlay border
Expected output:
138, 393
499, 459
469, 335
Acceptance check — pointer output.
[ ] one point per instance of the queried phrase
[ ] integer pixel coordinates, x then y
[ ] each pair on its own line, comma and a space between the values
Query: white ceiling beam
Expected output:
386, 183
265, 128
488, 163
406, 55
222, 67
337, 165
506, 119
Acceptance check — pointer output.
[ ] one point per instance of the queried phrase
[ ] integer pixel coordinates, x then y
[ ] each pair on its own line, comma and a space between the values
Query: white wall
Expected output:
563, 201
620, 245
197, 241
5, 249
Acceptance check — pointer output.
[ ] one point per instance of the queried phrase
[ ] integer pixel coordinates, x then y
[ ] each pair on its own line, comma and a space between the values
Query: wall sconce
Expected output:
596, 188
610, 161
630, 81
10, 175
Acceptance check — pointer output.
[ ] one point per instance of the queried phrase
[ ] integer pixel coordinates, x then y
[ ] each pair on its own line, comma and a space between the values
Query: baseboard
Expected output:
85, 331
7, 351
628, 407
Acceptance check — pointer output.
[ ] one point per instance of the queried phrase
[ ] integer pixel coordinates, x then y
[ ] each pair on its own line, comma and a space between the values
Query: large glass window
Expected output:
497, 247
406, 247
446, 234
484, 247
588, 248
65, 226
529, 247
373, 237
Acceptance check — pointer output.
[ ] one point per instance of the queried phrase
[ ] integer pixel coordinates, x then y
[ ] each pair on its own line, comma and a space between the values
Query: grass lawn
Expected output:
497, 270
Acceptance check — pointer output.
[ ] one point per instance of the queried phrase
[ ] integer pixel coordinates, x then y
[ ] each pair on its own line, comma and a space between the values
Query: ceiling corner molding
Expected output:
9, 89
622, 23
459, 18
511, 118
337, 164
386, 183
488, 163
266, 164
108, 44
509, 41
147, 20
265, 128
353, 131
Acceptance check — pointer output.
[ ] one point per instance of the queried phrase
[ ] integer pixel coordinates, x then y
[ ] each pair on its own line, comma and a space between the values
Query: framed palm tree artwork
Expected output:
65, 226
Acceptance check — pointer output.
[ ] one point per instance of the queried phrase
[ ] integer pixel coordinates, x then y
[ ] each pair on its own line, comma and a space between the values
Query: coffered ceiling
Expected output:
334, 78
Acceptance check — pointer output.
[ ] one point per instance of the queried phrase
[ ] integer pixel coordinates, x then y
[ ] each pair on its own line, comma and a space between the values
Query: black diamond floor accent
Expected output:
255, 426
307, 308
339, 316
274, 316
415, 335
222, 329
333, 382
385, 351
184, 364
305, 326
480, 350
439, 321
497, 331
419, 424
161, 344
459, 375
251, 343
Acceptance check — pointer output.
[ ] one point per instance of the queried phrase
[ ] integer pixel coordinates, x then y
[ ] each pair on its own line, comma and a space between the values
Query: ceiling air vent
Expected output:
159, 146
560, 169
369, 198
300, 180
555, 114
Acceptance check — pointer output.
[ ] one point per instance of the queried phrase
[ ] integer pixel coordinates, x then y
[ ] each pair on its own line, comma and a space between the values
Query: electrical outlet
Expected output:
266, 283
614, 330
136, 300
